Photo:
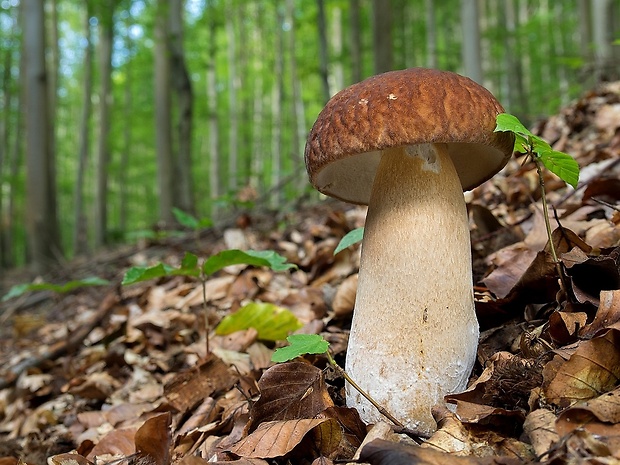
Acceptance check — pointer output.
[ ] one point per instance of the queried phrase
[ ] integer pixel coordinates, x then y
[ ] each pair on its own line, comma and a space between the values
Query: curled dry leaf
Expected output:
278, 438
290, 391
565, 326
600, 416
592, 370
153, 439
539, 427
608, 314
344, 300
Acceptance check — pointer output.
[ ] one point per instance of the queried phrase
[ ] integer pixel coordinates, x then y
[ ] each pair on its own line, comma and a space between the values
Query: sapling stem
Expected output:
344, 374
543, 196
203, 280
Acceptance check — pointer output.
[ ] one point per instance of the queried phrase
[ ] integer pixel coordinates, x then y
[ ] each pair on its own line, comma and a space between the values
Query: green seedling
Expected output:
20, 289
190, 221
190, 267
542, 154
302, 344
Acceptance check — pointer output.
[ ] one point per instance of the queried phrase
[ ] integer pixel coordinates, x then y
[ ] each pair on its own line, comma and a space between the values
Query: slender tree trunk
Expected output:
106, 37
258, 92
53, 73
277, 108
163, 115
182, 84
337, 73
298, 123
40, 186
6, 111
472, 60
355, 40
382, 35
603, 50
431, 34
323, 50
127, 132
233, 115
213, 146
80, 239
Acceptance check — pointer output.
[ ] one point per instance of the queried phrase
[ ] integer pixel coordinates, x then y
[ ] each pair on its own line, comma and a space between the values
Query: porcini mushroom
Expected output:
407, 143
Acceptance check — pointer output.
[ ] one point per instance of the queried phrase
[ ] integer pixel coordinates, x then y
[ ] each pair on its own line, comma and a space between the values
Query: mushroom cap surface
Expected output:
406, 107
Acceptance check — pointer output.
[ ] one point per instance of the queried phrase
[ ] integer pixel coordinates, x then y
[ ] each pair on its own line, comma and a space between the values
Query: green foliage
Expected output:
559, 163
300, 344
190, 267
273, 323
21, 289
350, 238
190, 221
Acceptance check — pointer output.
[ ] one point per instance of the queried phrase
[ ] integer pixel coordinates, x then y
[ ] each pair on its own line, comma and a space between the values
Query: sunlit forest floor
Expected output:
123, 371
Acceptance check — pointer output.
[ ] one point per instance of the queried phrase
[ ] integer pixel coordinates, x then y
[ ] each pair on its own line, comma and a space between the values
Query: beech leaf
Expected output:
272, 323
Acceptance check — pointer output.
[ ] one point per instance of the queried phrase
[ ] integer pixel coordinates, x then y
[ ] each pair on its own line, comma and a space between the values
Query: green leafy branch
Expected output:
20, 289
542, 154
302, 344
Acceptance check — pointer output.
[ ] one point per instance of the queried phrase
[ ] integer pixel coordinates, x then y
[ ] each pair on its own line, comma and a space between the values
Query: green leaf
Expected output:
350, 238
137, 274
562, 165
267, 258
508, 122
300, 344
273, 323
21, 289
185, 219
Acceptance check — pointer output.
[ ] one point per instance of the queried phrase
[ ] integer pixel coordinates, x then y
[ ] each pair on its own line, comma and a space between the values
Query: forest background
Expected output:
114, 113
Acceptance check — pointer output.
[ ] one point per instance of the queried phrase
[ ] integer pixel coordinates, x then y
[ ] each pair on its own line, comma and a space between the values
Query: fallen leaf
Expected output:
539, 427
608, 314
277, 438
592, 370
153, 439
288, 391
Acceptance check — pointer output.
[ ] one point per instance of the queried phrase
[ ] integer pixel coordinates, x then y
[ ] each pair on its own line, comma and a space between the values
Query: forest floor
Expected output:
110, 373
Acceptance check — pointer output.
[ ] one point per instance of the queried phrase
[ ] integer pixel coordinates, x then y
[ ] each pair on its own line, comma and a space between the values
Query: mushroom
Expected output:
407, 143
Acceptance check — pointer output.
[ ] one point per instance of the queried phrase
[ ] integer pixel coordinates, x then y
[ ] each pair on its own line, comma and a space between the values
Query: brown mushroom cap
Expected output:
412, 106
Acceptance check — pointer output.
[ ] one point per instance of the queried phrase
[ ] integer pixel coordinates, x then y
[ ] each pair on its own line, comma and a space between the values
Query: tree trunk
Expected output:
472, 61
337, 73
163, 115
213, 146
233, 115
603, 50
298, 123
431, 35
106, 37
80, 239
323, 50
41, 224
256, 168
184, 193
382, 35
127, 132
276, 110
355, 41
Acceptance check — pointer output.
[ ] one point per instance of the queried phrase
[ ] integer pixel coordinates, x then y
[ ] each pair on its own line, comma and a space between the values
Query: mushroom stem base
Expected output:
414, 333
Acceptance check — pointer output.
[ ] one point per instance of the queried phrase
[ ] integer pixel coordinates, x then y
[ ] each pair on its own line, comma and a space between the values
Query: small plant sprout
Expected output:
190, 268
302, 344
542, 154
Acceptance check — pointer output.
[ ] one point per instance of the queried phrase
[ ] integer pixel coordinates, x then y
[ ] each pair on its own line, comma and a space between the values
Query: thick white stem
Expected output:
414, 333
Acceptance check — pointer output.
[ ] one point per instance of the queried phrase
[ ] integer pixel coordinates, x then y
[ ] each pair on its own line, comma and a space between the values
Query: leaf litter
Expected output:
110, 373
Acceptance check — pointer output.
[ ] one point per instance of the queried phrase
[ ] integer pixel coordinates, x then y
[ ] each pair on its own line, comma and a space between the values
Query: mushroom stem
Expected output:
414, 333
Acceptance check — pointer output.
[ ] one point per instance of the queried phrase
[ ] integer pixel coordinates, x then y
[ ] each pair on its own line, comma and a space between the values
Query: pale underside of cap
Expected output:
399, 108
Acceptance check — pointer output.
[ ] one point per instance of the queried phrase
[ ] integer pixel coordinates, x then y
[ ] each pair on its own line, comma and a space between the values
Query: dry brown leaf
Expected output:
290, 391
608, 314
381, 452
600, 415
278, 438
153, 439
119, 442
69, 458
344, 300
564, 326
190, 387
592, 370
539, 427
98, 385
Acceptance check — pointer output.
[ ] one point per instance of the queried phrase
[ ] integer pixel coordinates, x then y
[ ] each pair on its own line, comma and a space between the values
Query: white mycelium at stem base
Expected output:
414, 333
